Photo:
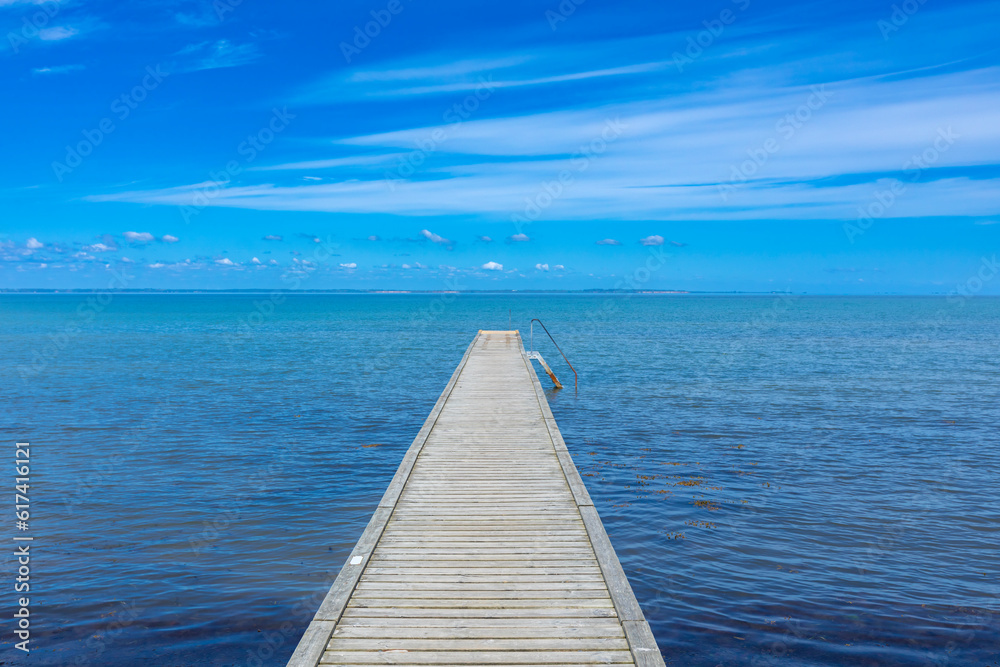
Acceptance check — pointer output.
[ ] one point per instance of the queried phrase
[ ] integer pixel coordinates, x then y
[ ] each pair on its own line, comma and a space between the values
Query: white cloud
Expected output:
254, 260
435, 237
486, 239
493, 266
57, 33
156, 265
272, 262
272, 237
349, 265
33, 243
608, 242
559, 267
167, 238
518, 238
139, 237
373, 238
100, 247
225, 261
652, 240
542, 267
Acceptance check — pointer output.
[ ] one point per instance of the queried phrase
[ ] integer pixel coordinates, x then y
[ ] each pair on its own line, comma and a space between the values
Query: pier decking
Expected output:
486, 548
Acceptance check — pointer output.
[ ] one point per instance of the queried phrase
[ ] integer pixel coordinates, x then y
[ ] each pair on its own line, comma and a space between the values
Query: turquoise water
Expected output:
787, 481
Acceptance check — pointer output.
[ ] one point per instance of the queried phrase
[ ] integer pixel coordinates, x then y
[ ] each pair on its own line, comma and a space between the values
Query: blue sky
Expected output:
735, 145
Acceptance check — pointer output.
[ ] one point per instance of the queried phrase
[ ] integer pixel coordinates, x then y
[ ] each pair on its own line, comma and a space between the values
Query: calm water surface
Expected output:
788, 481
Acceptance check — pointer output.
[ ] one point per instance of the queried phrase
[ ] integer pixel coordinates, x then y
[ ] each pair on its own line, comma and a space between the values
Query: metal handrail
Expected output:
531, 344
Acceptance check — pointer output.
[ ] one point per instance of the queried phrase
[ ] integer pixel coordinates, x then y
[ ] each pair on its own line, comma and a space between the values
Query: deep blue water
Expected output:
788, 481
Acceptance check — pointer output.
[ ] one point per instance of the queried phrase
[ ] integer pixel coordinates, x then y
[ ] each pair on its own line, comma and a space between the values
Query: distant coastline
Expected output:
362, 291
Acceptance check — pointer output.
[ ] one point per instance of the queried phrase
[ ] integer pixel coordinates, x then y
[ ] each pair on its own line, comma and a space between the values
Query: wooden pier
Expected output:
486, 548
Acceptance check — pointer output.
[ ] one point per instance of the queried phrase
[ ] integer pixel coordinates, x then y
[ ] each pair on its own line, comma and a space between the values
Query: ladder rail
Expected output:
531, 344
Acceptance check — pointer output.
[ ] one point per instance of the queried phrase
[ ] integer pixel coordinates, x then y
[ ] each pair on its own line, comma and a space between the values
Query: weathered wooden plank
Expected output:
599, 622
476, 657
532, 612
493, 631
339, 643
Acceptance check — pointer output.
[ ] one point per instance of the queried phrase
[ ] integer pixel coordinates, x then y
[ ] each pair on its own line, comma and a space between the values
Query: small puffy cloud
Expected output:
486, 239
652, 240
100, 247
157, 265
225, 261
608, 242
82, 255
559, 267
272, 262
272, 237
435, 238
167, 238
542, 267
254, 260
311, 237
373, 238
493, 266
518, 238
349, 265
407, 266
139, 237
33, 244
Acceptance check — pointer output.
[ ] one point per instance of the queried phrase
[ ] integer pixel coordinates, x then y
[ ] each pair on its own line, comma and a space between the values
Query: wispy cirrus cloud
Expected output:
57, 69
773, 140
57, 33
219, 54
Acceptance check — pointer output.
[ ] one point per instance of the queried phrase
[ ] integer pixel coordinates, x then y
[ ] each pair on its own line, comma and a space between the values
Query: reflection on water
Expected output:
810, 485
